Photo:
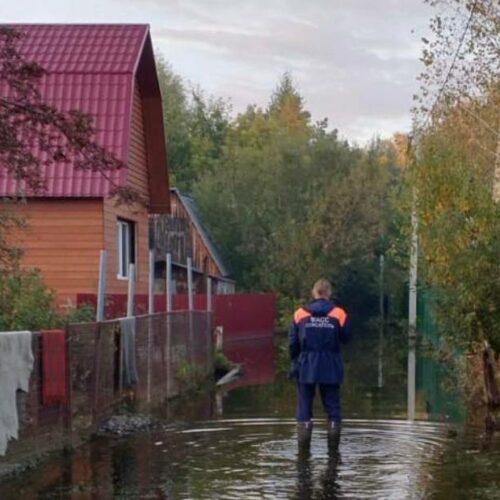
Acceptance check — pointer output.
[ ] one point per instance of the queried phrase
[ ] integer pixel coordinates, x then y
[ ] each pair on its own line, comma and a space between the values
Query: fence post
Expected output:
190, 307
209, 324
151, 283
151, 310
168, 282
101, 290
168, 309
131, 290
209, 294
190, 283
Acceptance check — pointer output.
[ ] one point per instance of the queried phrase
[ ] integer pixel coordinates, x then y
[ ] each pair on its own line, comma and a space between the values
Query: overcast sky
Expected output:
355, 61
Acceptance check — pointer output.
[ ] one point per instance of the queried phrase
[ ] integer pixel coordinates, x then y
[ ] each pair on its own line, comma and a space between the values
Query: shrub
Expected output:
25, 301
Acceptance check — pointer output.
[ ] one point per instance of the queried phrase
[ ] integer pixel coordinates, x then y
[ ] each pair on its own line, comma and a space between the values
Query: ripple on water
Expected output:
257, 458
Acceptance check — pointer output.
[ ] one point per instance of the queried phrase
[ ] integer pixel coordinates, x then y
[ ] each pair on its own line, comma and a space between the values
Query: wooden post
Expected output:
131, 290
168, 282
101, 291
219, 338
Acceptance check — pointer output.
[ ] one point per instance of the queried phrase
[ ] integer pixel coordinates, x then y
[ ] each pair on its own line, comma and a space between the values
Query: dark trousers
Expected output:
330, 397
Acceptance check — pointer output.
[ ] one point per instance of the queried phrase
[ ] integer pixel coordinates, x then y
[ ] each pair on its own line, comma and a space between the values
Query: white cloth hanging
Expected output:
16, 365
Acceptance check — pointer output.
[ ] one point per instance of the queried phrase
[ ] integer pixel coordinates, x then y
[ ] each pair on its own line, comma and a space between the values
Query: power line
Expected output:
452, 66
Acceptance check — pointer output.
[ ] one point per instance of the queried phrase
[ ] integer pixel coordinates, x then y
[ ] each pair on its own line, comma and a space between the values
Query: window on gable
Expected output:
125, 246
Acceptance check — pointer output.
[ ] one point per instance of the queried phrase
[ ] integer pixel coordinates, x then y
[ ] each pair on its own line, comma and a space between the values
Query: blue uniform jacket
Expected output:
314, 338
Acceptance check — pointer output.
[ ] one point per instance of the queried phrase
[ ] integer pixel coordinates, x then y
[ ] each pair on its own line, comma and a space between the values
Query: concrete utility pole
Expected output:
412, 301
412, 312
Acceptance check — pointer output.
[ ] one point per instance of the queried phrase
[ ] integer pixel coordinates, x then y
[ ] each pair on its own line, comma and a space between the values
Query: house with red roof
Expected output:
108, 71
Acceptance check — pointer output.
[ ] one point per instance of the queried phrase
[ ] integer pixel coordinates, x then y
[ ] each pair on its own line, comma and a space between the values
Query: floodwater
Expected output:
240, 443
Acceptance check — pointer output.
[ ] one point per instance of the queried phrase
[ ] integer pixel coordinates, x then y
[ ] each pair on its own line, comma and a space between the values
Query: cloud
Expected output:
355, 61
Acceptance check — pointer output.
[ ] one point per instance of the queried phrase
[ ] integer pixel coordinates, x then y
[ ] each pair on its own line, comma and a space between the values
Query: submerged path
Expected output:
241, 444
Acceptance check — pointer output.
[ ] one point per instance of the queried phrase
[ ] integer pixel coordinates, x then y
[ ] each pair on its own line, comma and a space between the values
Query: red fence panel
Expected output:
243, 315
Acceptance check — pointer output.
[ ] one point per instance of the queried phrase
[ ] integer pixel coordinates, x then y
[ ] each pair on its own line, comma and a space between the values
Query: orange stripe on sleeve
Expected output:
339, 314
300, 314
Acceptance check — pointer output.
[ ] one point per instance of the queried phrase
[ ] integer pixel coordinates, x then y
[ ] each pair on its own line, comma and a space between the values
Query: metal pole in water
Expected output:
381, 325
101, 291
412, 310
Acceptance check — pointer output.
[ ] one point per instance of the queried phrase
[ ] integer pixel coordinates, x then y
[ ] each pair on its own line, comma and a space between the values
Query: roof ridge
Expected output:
142, 25
93, 72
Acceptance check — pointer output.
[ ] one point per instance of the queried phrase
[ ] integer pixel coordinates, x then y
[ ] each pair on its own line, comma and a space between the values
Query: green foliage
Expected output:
221, 363
459, 233
84, 313
25, 301
190, 376
289, 201
196, 127
286, 200
456, 177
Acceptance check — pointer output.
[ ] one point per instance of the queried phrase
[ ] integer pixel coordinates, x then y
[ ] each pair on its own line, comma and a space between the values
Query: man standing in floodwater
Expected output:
316, 333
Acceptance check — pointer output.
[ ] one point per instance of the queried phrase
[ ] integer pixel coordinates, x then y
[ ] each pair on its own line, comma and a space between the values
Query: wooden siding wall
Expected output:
200, 252
137, 179
63, 240
66, 235
171, 235
137, 172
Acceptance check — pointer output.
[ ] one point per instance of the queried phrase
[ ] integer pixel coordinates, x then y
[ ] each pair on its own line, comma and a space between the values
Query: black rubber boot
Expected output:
333, 435
304, 433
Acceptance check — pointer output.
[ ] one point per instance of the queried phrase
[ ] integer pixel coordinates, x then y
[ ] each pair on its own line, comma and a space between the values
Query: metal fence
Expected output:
165, 344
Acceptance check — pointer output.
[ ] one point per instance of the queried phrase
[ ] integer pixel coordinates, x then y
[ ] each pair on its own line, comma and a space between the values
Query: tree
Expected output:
456, 172
176, 118
196, 127
289, 200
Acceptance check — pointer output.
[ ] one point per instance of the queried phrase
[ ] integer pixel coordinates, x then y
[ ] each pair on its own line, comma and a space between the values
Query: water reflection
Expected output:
328, 486
257, 357
242, 444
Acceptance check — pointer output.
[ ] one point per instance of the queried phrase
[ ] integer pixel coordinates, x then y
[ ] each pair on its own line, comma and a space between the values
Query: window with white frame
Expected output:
125, 246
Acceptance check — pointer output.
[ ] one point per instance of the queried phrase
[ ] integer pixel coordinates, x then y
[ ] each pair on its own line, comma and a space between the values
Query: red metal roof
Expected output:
91, 68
